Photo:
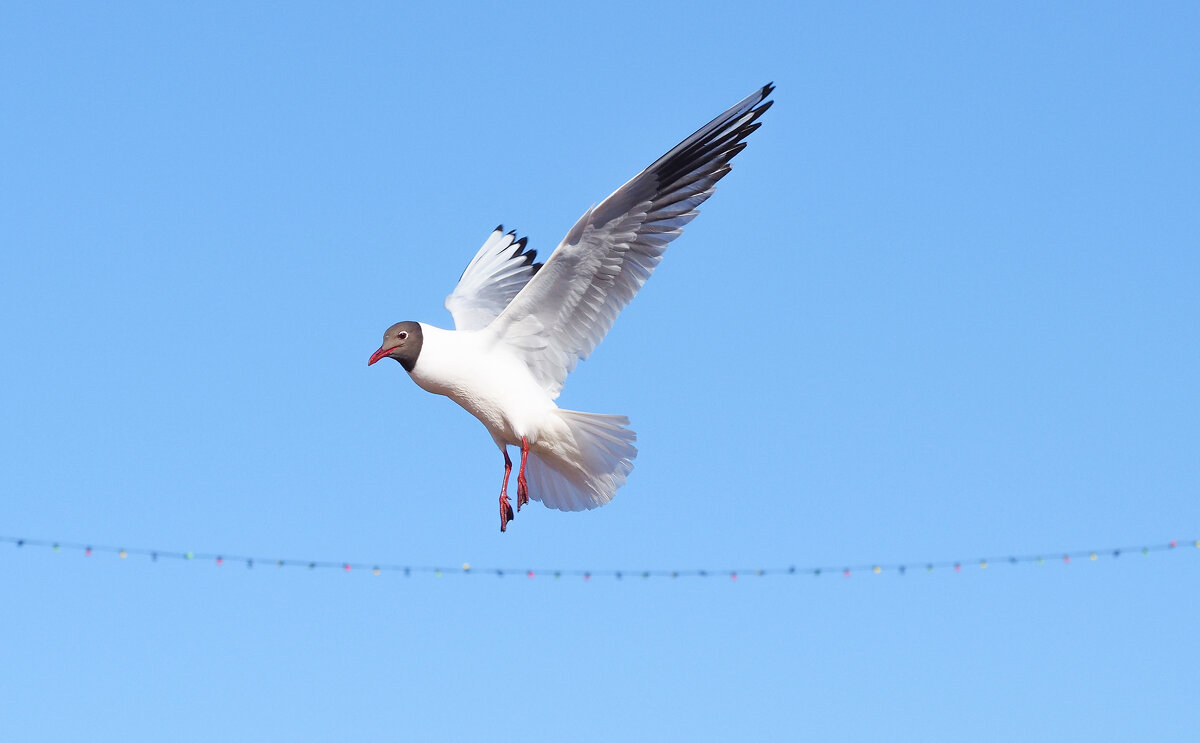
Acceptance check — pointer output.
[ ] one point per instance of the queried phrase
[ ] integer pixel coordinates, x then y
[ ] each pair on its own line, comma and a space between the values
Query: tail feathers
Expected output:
584, 469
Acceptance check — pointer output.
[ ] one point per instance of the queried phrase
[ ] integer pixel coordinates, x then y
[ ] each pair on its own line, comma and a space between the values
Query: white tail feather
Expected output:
584, 470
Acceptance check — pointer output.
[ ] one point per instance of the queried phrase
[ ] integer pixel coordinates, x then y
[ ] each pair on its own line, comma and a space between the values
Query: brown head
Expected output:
401, 342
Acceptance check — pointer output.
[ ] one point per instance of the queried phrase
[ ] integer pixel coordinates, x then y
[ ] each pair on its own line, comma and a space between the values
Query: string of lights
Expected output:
221, 559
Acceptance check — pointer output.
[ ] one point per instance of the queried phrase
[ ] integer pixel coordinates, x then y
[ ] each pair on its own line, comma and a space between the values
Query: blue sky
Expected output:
944, 307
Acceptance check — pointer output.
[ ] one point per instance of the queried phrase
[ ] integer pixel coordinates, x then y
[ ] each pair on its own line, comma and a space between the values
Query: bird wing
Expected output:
566, 310
497, 273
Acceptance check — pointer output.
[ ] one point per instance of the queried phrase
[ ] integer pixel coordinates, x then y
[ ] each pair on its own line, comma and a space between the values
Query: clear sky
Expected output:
946, 306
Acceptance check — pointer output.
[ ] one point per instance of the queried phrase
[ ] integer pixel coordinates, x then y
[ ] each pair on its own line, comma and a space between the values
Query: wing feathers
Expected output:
555, 315
494, 276
562, 313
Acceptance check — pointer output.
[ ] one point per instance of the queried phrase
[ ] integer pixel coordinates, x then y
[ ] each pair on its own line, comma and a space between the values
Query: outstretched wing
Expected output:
499, 271
566, 310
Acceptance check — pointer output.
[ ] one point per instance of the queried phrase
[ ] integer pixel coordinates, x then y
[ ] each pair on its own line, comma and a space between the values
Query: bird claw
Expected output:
506, 512
522, 485
522, 492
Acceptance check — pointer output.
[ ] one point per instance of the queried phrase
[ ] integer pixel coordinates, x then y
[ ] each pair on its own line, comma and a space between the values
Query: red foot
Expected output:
506, 512
522, 485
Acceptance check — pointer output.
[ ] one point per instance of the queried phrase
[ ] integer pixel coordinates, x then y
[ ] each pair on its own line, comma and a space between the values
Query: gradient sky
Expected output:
945, 307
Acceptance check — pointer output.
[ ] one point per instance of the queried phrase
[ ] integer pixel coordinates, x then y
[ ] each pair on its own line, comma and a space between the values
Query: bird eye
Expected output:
403, 334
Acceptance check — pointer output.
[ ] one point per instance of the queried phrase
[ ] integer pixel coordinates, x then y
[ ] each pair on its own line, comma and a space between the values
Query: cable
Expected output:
219, 559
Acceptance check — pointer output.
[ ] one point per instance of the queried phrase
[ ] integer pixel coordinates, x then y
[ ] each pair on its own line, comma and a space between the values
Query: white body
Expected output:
491, 383
577, 460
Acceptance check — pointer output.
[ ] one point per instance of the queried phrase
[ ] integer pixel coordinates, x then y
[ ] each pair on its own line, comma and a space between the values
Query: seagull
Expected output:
521, 326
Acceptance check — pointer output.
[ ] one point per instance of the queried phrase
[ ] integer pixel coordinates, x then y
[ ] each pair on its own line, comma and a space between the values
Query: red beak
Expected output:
380, 354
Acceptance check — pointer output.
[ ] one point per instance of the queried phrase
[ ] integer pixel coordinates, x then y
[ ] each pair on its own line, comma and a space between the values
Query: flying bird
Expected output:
520, 326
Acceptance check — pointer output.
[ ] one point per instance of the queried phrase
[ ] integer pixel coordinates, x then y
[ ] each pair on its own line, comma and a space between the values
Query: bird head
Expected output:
401, 342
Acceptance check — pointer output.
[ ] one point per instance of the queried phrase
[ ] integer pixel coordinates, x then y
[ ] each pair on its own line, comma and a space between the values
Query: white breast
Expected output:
481, 374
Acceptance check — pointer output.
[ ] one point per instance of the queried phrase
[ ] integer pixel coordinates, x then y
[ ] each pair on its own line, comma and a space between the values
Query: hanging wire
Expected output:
903, 568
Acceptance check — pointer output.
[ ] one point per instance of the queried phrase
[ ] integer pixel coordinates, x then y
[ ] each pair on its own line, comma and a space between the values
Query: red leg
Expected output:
506, 512
522, 485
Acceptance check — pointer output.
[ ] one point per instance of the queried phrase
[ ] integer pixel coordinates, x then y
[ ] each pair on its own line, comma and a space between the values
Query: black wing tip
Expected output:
528, 256
763, 104
518, 241
718, 146
531, 259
